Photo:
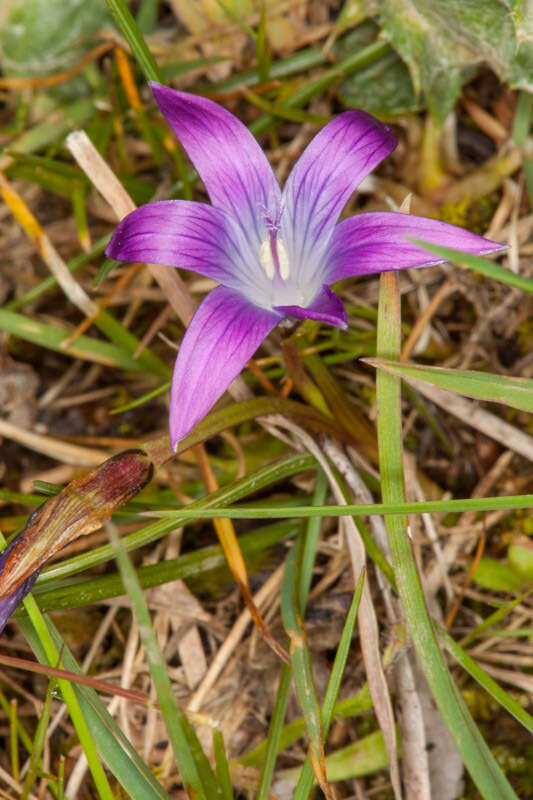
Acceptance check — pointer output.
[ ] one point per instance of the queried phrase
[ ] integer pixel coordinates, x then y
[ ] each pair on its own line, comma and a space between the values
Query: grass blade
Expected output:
305, 781
52, 657
514, 392
479, 760
222, 766
488, 683
196, 773
309, 545
477, 264
301, 668
120, 755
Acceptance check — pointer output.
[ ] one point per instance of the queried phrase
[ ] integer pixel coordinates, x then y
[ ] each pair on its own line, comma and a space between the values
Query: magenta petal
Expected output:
329, 170
326, 307
176, 233
376, 242
223, 335
234, 169
9, 602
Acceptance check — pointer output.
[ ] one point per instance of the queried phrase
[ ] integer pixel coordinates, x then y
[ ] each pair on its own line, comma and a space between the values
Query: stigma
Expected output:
274, 257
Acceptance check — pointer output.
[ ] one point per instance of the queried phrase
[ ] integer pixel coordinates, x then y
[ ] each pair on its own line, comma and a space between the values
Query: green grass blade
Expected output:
120, 756
364, 757
222, 766
253, 482
478, 759
132, 34
477, 264
486, 682
301, 664
522, 118
196, 773
514, 392
309, 545
83, 731
352, 707
85, 347
310, 542
74, 265
272, 745
343, 68
78, 592
149, 67
305, 781
518, 501
38, 742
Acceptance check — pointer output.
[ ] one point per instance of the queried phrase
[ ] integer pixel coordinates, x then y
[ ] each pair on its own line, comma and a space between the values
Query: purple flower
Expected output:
274, 253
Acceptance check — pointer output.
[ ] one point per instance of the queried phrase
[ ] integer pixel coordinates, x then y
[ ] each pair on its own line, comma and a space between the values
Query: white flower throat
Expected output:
274, 257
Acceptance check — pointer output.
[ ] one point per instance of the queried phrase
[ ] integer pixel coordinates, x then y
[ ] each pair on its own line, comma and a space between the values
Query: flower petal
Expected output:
176, 233
223, 335
10, 601
326, 307
324, 177
377, 241
234, 169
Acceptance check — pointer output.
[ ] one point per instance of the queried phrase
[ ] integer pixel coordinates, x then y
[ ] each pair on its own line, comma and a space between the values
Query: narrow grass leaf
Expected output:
22, 733
479, 760
196, 773
310, 542
84, 348
135, 39
514, 392
301, 668
119, 754
222, 766
344, 67
48, 283
352, 707
35, 763
52, 657
518, 501
522, 118
253, 482
62, 594
478, 264
305, 781
272, 746
309, 545
13, 738
149, 67
486, 682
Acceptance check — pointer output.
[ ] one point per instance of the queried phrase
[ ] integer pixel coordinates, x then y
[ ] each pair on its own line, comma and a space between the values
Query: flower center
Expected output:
274, 257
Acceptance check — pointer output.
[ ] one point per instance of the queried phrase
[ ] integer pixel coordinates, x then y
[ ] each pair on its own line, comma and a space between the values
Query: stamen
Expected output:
267, 259
283, 260
274, 257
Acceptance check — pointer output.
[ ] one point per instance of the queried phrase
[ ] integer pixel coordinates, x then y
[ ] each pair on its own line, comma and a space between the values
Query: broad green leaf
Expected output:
438, 40
514, 392
363, 757
28, 46
520, 555
497, 576
384, 89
